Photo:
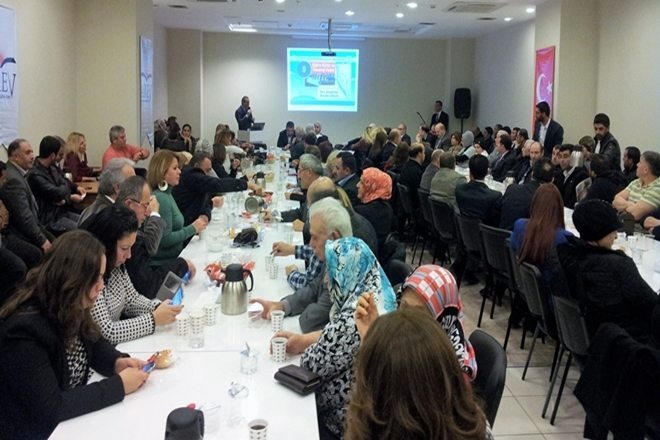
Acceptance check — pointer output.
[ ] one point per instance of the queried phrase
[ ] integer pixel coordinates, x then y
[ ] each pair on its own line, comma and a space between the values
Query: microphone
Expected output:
420, 117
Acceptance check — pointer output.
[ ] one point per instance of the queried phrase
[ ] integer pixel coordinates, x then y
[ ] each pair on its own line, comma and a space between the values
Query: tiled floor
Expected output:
519, 415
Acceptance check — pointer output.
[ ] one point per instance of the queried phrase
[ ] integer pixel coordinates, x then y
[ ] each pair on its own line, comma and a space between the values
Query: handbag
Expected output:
247, 237
298, 379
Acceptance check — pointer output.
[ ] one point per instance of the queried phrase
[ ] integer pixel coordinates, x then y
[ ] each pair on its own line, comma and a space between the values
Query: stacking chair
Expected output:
397, 271
515, 285
470, 240
405, 199
442, 214
537, 302
428, 227
497, 263
491, 371
574, 339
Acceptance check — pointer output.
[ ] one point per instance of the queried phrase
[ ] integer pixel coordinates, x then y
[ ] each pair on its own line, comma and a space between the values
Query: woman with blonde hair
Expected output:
75, 157
409, 385
163, 175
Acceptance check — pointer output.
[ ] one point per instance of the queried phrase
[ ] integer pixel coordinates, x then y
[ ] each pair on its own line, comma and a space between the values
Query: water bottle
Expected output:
215, 231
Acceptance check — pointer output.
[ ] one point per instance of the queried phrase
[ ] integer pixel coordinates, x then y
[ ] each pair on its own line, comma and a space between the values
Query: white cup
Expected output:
278, 349
182, 324
210, 314
269, 261
249, 360
258, 429
196, 339
276, 320
272, 271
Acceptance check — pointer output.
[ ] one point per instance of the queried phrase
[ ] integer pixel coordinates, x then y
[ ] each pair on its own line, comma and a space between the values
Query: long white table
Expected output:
203, 376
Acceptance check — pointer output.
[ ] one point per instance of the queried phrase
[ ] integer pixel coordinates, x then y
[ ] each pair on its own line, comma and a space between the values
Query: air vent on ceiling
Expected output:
178, 6
486, 18
216, 1
426, 23
474, 7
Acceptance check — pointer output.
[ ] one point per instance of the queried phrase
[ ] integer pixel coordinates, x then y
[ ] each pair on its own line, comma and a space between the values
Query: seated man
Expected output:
19, 200
135, 193
606, 182
119, 148
116, 171
445, 181
570, 176
287, 137
507, 159
346, 176
411, 172
54, 194
517, 199
642, 196
329, 220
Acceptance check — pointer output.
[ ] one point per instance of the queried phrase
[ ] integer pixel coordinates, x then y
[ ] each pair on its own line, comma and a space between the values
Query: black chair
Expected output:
497, 265
537, 301
428, 228
397, 271
442, 215
467, 229
574, 339
406, 201
515, 285
491, 372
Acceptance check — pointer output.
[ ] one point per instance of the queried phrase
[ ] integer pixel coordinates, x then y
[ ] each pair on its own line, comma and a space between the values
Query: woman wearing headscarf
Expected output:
374, 191
467, 147
434, 288
352, 269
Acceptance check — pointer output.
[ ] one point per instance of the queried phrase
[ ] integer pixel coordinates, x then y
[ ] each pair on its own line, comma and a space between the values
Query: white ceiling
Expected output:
372, 18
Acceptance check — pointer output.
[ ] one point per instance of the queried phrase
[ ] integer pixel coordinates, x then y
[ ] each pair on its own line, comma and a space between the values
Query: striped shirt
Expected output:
649, 194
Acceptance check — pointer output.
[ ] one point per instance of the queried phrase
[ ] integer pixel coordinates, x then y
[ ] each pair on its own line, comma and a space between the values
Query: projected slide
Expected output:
322, 83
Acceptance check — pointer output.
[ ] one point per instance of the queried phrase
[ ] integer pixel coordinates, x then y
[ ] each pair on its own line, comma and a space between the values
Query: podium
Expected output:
251, 135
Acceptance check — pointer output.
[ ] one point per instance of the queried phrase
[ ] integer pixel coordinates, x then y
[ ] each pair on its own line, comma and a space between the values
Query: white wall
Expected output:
184, 76
629, 70
397, 79
504, 77
160, 71
46, 67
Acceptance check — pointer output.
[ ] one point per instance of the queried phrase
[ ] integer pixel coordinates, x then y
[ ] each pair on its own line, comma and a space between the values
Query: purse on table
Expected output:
298, 379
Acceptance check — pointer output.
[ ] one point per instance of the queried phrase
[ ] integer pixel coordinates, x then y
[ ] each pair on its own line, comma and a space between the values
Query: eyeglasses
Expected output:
144, 205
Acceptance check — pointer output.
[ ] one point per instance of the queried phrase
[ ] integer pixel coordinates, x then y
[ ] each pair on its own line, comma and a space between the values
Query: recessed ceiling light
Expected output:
399, 15
508, 18
241, 28
530, 10
338, 1
350, 13
411, 5
279, 1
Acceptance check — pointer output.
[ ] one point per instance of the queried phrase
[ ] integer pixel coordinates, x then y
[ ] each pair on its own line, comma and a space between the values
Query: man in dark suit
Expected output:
525, 173
411, 172
474, 199
606, 143
440, 116
287, 136
243, 114
18, 197
346, 176
404, 136
507, 160
546, 130
569, 177
517, 199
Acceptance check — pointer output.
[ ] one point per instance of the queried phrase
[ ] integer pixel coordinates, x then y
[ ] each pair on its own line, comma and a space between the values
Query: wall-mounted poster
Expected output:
9, 78
146, 92
544, 77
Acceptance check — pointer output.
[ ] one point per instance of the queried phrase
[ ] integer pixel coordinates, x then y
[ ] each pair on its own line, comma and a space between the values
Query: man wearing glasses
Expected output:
402, 131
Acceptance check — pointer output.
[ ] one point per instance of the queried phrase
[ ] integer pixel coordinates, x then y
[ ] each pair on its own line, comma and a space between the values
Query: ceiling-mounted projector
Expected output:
328, 53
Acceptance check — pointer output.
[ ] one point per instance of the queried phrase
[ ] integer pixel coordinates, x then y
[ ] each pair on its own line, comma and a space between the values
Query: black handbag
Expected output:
185, 424
247, 237
298, 379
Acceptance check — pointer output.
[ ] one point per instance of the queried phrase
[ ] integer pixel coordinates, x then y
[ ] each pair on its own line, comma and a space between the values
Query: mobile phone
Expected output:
177, 299
149, 366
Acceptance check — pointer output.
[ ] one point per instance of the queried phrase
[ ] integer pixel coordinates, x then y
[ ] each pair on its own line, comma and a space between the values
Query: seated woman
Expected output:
163, 175
187, 138
408, 384
530, 238
120, 311
75, 158
49, 344
352, 269
374, 191
606, 282
642, 195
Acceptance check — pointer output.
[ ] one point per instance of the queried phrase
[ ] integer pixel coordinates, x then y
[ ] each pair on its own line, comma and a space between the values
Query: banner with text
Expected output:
9, 78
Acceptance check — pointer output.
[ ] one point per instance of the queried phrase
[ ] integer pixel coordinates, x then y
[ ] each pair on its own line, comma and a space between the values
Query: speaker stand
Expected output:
461, 125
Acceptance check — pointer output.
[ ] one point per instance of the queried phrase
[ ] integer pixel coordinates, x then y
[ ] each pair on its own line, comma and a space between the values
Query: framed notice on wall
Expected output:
146, 92
9, 78
544, 77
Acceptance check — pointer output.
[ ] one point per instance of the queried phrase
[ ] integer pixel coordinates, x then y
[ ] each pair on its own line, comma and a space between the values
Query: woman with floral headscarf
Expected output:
352, 269
374, 191
434, 288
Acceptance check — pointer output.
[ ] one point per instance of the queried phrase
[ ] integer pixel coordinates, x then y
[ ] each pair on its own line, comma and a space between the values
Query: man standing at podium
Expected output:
243, 114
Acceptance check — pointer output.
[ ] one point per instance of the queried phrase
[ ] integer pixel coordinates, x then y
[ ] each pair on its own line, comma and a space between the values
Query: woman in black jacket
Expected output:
374, 191
49, 344
606, 282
